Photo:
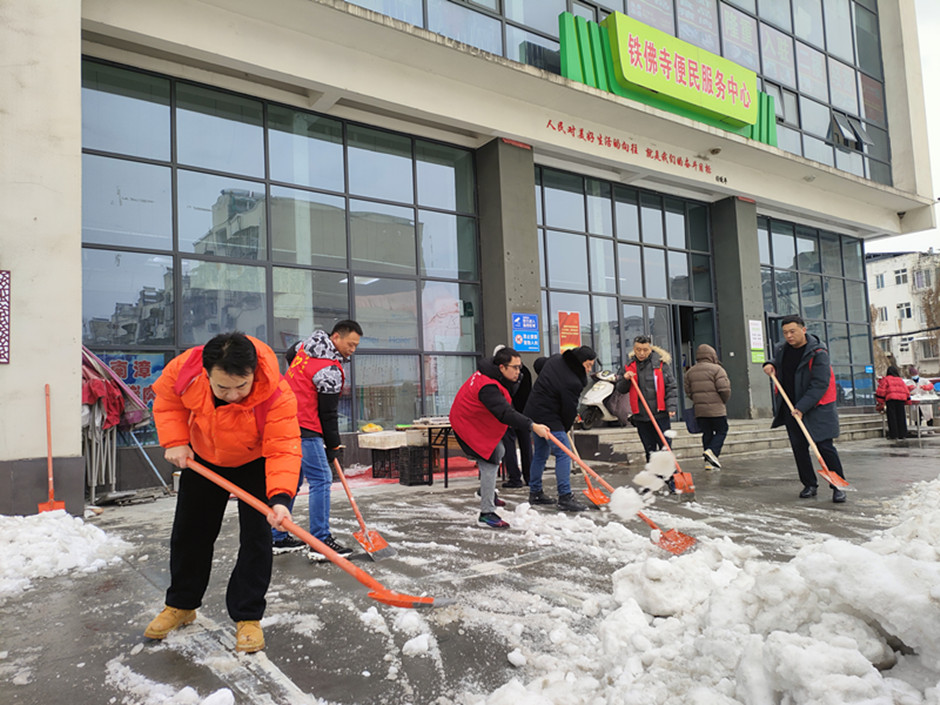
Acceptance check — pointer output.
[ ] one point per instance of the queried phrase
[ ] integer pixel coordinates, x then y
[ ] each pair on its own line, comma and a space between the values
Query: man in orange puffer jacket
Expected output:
226, 406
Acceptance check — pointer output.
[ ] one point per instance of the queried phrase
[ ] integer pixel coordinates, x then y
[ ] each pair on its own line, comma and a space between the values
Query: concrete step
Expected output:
622, 444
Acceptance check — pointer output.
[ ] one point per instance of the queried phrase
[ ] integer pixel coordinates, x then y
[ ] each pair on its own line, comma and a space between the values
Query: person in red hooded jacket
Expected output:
225, 405
891, 397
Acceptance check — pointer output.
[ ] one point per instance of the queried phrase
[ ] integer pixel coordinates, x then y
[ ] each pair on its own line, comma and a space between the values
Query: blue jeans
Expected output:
316, 469
562, 463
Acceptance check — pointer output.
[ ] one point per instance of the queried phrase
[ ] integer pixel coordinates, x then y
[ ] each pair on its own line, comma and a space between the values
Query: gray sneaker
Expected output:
710, 457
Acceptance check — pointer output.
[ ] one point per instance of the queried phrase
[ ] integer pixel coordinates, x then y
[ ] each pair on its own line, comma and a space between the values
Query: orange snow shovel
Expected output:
374, 545
672, 540
823, 471
378, 591
52, 504
683, 480
596, 495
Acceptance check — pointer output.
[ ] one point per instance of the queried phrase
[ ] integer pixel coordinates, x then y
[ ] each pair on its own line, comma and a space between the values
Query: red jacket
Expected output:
229, 435
472, 420
891, 388
300, 374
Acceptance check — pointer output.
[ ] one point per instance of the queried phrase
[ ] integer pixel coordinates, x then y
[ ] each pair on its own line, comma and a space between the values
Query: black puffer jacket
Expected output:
555, 394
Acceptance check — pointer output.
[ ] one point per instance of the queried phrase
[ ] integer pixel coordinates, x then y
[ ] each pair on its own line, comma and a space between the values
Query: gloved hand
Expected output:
331, 455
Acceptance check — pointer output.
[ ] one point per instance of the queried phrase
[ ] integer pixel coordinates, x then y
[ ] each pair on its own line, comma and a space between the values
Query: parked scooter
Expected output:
593, 408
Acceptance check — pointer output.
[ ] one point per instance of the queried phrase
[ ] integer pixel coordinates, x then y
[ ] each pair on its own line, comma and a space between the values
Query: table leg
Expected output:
431, 457
446, 454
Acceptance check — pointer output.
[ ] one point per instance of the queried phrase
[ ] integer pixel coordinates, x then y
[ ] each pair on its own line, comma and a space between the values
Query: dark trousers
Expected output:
714, 431
525, 451
648, 435
804, 464
200, 506
896, 414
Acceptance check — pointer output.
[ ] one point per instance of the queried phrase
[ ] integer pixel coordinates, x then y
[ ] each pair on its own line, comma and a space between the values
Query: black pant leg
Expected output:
524, 437
200, 505
800, 448
827, 450
719, 433
251, 575
509, 457
648, 437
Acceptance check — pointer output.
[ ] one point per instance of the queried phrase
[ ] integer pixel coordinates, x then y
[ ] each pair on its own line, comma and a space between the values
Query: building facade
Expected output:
904, 291
452, 174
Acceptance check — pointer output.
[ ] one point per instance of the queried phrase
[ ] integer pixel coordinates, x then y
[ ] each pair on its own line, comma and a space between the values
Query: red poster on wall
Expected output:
569, 330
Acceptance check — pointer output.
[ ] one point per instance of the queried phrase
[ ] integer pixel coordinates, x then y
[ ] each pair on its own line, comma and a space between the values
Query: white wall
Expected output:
40, 223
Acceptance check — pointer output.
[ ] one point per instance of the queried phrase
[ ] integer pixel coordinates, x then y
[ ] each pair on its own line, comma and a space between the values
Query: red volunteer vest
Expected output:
300, 376
660, 388
472, 421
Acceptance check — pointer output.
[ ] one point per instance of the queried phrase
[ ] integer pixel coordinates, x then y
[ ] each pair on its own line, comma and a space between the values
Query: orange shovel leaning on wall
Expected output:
52, 504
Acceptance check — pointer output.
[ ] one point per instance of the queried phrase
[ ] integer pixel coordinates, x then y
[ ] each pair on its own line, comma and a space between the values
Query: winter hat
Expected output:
585, 353
912, 371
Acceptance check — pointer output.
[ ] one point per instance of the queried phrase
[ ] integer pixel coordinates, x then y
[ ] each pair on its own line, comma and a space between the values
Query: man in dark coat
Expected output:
479, 416
801, 364
554, 402
649, 373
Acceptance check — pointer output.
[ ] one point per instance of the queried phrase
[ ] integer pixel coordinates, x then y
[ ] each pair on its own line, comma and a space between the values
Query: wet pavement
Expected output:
77, 638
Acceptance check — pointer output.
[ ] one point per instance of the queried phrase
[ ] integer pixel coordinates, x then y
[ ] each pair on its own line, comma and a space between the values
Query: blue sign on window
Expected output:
869, 369
525, 332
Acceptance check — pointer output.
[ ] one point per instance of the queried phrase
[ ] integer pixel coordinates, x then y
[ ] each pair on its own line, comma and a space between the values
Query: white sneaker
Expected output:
708, 466
710, 457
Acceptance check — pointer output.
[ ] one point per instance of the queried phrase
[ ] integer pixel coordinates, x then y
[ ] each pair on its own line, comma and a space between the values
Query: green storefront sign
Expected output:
636, 61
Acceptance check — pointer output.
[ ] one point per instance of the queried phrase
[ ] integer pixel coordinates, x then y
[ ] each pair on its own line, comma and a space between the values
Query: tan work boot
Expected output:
168, 620
249, 637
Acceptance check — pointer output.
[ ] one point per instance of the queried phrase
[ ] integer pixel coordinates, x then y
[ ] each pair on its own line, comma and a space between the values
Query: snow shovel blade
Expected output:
596, 496
675, 541
397, 599
51, 506
684, 483
832, 478
373, 544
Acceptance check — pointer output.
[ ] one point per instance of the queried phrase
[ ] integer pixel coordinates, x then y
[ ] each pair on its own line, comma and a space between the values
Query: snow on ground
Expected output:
718, 625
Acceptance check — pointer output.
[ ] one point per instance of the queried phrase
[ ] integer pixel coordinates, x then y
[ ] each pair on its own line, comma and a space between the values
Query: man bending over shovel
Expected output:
480, 415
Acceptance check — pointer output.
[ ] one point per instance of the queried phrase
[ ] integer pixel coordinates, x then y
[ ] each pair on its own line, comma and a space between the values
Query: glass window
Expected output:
784, 246
860, 338
387, 310
811, 69
873, 99
655, 13
763, 241
808, 21
838, 341
654, 273
599, 213
542, 266
443, 377
564, 200
466, 25
533, 49
853, 258
631, 271
538, 196
834, 298
842, 85
787, 299
811, 295
817, 150
382, 237
767, 289
579, 10
864, 392
831, 254
675, 223
305, 149
880, 148
857, 303
789, 140
879, 172
817, 118
698, 227
627, 214
388, 388
698, 23
749, 5
651, 214
634, 324
219, 130
125, 111
409, 11
218, 297
562, 303
567, 261
701, 278
739, 38
305, 300
451, 316
606, 332
541, 15
445, 177
839, 28
866, 38
308, 228
126, 299
126, 203
380, 164
679, 276
603, 274
776, 11
851, 162
221, 216
777, 52
807, 249
448, 245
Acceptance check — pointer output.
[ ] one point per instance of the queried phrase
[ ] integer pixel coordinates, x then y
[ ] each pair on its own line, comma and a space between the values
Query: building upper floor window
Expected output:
922, 279
904, 310
879, 281
883, 314
900, 276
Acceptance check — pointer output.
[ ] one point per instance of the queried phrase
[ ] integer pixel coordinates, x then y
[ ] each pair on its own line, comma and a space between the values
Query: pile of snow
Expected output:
48, 544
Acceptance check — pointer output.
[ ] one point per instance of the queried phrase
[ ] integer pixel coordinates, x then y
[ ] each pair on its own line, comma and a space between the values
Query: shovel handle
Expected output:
662, 436
342, 477
799, 421
49, 443
580, 462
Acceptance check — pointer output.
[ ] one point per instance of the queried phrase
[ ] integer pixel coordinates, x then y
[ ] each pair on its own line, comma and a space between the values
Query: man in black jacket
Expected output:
520, 395
554, 402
